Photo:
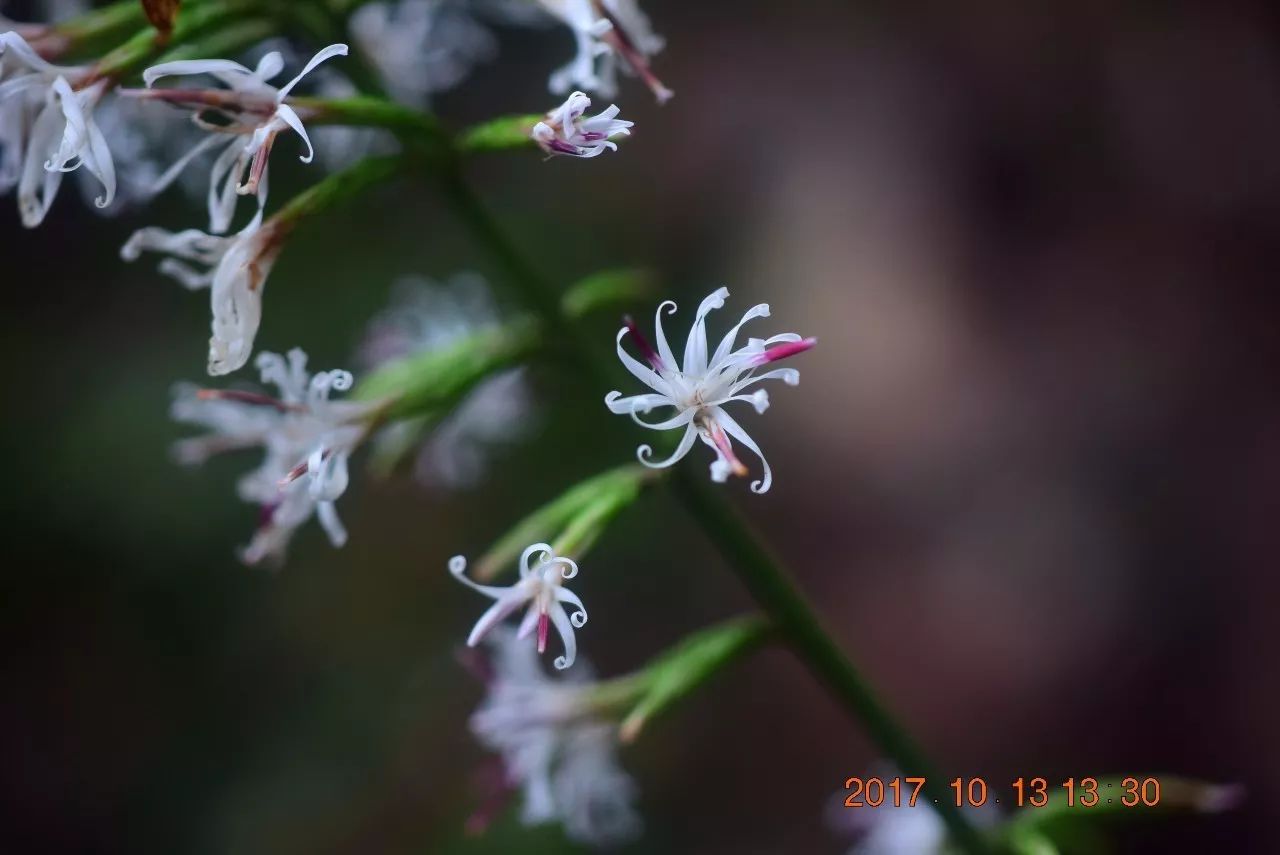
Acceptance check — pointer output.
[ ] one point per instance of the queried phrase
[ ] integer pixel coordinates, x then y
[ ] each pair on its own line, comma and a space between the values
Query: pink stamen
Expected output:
721, 441
646, 349
782, 351
301, 469
256, 168
544, 623
255, 398
294, 474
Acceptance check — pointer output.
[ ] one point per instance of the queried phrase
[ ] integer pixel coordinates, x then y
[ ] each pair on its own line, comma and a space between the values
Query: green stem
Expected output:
765, 578
340, 186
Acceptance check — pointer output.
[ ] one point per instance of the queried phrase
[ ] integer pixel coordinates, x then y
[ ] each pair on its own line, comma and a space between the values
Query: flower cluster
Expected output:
699, 387
307, 439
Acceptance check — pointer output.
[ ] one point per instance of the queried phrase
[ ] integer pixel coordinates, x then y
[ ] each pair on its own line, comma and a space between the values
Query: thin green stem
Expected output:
799, 624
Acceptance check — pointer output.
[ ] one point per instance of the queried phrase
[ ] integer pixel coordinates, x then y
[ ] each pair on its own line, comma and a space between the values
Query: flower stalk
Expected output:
764, 577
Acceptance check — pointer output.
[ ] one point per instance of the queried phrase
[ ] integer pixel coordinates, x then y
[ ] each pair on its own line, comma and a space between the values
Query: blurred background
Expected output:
1028, 474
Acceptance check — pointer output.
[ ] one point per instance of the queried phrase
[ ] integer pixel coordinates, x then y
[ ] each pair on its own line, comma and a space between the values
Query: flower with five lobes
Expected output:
566, 131
541, 588
250, 107
307, 439
236, 273
47, 128
699, 387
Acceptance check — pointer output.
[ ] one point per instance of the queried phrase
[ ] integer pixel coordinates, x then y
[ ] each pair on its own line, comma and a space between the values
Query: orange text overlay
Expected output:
1036, 792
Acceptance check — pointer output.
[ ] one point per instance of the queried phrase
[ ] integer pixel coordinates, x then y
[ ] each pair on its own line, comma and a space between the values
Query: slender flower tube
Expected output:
554, 747
540, 588
250, 107
235, 272
699, 388
565, 130
47, 128
606, 32
307, 439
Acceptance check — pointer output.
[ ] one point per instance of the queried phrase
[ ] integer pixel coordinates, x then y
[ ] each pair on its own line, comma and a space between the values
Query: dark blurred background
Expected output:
1028, 474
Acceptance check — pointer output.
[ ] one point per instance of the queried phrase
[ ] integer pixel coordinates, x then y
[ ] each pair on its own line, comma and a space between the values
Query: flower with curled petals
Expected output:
565, 130
541, 588
249, 107
307, 439
699, 387
47, 128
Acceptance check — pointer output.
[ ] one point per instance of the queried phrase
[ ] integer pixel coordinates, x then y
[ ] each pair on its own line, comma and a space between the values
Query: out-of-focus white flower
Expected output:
606, 31
250, 107
554, 748
898, 830
307, 439
565, 130
425, 316
699, 387
235, 271
540, 588
47, 128
419, 47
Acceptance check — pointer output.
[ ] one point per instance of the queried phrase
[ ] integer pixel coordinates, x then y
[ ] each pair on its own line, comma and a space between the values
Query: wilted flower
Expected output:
422, 317
251, 107
47, 128
540, 588
566, 131
419, 47
235, 272
307, 439
699, 388
606, 31
554, 747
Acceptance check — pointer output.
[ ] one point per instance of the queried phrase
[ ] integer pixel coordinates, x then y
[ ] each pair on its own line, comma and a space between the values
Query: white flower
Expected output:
541, 588
699, 387
250, 107
606, 31
566, 131
419, 47
424, 316
144, 141
47, 128
898, 830
307, 439
562, 757
235, 272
